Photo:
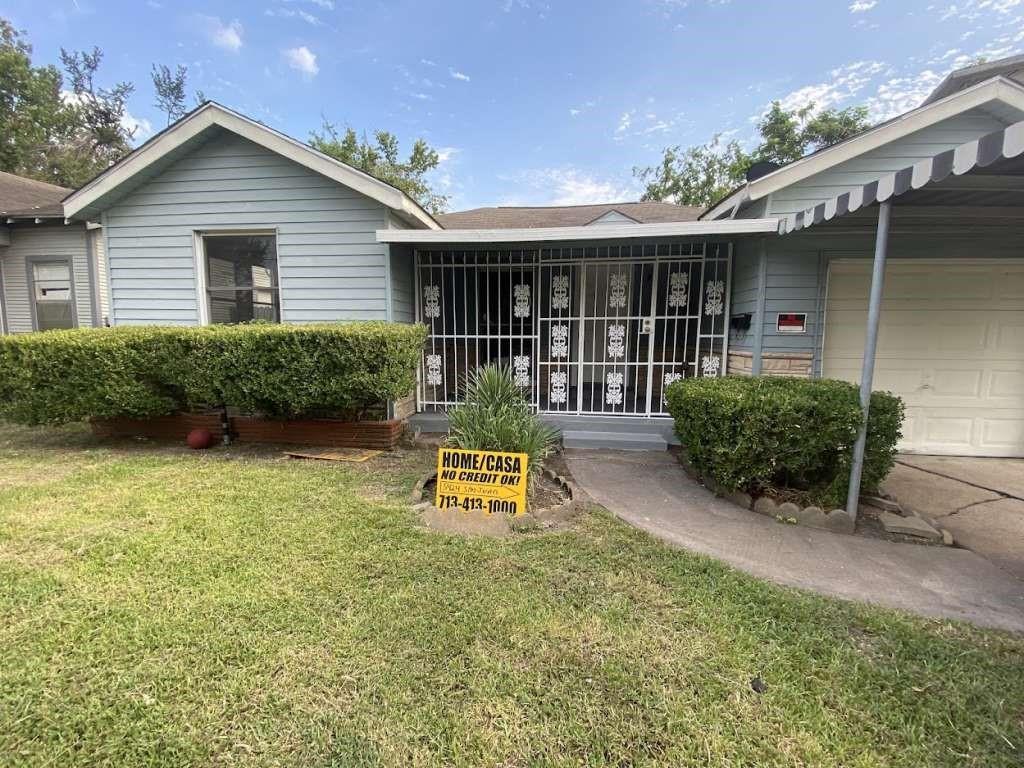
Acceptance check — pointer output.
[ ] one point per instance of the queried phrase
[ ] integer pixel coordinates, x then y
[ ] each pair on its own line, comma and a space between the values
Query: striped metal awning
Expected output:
979, 153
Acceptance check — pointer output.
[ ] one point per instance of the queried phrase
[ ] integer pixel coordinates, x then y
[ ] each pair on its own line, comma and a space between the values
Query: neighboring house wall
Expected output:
797, 280
34, 241
331, 266
869, 166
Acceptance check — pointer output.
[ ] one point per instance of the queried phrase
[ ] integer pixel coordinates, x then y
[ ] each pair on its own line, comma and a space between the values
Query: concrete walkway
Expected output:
651, 491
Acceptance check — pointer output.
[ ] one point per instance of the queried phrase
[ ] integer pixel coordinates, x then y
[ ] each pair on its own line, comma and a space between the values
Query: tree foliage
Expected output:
31, 111
169, 87
381, 158
703, 174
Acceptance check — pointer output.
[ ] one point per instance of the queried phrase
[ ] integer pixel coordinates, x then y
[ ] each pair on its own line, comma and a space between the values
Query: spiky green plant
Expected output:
495, 416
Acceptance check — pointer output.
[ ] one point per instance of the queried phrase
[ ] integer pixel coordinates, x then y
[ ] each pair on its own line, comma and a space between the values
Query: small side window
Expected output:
51, 293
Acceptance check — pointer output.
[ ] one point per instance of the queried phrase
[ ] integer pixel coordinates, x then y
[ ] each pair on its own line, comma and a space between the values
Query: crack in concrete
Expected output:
1000, 494
973, 504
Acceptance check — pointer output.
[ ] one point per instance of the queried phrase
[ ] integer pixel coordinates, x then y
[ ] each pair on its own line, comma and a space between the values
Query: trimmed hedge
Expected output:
280, 371
756, 433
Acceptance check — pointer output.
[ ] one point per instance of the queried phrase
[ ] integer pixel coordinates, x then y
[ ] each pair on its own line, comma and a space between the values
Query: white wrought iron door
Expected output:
616, 325
558, 318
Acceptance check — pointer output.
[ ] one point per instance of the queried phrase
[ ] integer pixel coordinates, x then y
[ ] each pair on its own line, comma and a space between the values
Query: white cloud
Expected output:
227, 36
139, 127
624, 123
567, 185
846, 82
901, 94
445, 154
861, 6
328, 4
302, 59
288, 13
458, 75
428, 63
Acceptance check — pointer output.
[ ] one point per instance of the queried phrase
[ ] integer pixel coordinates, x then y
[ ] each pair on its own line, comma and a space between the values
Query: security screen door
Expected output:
589, 336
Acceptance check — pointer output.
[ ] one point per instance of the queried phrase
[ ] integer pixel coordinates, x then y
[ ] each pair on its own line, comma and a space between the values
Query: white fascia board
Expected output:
214, 114
736, 199
996, 89
605, 232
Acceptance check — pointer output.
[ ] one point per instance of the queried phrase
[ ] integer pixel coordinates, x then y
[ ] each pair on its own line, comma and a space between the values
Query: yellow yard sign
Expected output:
481, 481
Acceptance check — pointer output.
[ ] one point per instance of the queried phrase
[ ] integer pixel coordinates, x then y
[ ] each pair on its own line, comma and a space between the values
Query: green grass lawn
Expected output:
161, 607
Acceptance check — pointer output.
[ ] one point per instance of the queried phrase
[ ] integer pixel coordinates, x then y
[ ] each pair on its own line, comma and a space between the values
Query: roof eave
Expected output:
581, 233
996, 88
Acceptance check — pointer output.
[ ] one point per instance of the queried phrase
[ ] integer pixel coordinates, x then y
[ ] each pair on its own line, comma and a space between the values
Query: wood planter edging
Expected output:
382, 435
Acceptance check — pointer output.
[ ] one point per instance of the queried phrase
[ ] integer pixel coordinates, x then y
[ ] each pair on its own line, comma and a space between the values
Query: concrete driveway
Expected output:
980, 501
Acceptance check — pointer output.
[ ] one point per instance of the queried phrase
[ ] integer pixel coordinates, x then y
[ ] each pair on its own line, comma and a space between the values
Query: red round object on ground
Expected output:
199, 438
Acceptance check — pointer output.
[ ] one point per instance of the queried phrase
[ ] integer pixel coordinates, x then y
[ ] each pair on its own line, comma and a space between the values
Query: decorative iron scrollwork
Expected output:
431, 301
433, 370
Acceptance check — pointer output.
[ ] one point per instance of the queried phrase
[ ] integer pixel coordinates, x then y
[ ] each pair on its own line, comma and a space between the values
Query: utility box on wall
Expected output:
791, 322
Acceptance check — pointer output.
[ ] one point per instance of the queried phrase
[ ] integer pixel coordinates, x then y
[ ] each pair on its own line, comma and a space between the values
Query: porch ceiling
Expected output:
580, 234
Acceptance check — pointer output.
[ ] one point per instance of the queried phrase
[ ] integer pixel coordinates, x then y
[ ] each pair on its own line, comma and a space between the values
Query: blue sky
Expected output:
531, 102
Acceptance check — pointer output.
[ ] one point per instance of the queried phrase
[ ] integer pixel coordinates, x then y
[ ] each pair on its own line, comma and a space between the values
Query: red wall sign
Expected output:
792, 322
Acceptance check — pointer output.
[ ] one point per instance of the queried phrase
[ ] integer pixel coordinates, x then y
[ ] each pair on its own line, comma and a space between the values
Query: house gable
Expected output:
901, 153
210, 119
330, 265
925, 131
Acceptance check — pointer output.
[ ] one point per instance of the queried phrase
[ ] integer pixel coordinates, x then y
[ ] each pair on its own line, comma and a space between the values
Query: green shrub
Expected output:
495, 416
756, 433
288, 371
277, 370
63, 376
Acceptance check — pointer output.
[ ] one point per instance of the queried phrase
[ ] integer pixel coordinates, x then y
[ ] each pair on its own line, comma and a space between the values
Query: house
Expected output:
52, 272
596, 309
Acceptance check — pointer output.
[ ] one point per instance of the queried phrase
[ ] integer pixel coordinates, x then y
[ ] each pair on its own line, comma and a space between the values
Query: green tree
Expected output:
169, 87
32, 114
381, 159
703, 174
98, 134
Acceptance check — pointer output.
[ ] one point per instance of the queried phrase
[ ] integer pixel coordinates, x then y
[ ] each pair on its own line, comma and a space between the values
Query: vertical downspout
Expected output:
867, 372
762, 288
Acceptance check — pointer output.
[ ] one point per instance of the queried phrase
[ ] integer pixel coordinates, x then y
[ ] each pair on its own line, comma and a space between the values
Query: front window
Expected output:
51, 293
241, 278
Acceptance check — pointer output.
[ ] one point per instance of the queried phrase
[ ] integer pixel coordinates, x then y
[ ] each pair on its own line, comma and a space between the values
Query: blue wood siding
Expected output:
891, 157
798, 274
331, 266
36, 241
744, 289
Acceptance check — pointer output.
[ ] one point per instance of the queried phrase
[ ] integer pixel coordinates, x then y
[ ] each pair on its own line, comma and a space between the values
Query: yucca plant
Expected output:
495, 416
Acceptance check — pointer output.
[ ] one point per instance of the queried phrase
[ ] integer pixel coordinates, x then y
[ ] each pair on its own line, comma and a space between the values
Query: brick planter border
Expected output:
382, 435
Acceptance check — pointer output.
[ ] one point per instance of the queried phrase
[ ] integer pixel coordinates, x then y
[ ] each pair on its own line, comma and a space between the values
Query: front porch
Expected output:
588, 329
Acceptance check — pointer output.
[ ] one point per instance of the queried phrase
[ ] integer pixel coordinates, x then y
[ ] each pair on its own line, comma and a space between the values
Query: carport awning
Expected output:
980, 153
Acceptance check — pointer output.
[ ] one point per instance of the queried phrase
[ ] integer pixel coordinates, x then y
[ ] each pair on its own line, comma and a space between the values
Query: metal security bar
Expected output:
584, 329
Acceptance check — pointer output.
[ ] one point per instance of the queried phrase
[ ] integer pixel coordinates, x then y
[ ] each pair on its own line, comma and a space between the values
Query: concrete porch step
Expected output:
623, 441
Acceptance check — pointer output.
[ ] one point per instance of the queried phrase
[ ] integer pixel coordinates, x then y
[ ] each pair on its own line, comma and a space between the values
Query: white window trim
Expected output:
199, 265
30, 265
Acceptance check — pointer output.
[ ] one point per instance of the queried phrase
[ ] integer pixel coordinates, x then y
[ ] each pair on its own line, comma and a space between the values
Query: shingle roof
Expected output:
508, 217
28, 197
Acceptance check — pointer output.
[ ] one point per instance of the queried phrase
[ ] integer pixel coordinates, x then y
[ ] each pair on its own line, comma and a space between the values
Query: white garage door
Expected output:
951, 344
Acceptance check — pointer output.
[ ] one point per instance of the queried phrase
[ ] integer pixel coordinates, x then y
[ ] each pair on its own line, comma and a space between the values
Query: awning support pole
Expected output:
757, 346
867, 371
